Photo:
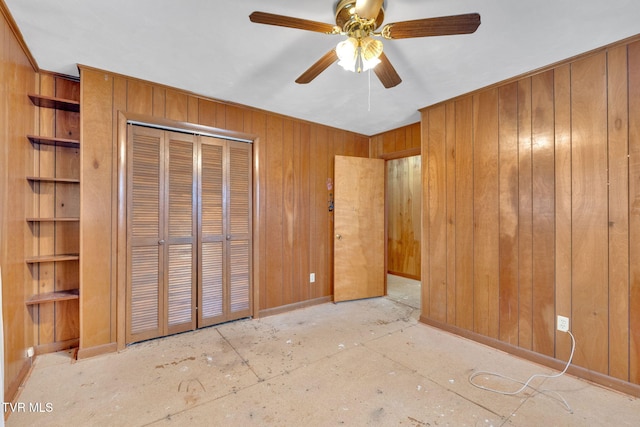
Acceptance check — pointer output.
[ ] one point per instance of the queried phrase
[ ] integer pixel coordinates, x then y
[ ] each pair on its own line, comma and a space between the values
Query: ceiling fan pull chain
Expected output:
369, 90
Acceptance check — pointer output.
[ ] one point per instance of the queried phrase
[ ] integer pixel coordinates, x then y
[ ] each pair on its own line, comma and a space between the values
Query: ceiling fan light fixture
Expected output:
359, 55
347, 51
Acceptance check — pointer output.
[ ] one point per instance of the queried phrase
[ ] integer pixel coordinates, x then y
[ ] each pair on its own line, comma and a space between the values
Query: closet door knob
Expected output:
161, 242
228, 237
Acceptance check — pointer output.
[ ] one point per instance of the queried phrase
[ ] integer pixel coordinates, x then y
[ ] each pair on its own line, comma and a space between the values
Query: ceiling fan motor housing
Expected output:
345, 13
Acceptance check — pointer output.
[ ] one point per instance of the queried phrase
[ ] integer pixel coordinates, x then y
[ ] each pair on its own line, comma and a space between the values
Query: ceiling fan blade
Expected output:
287, 21
320, 65
368, 9
386, 73
442, 26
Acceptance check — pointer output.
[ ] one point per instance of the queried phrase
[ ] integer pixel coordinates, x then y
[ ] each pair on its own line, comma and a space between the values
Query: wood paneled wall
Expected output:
404, 209
293, 161
531, 192
395, 143
17, 119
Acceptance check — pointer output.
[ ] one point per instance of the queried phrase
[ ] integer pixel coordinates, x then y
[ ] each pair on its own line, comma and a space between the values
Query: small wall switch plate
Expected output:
30, 352
312, 278
563, 324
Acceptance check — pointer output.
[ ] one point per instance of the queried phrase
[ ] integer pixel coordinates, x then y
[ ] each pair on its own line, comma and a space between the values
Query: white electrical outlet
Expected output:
312, 278
30, 352
563, 324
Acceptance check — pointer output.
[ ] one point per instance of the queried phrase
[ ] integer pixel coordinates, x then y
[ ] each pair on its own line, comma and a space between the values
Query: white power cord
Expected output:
526, 383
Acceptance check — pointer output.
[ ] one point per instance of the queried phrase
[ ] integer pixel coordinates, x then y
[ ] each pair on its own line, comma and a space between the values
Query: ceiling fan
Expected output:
362, 50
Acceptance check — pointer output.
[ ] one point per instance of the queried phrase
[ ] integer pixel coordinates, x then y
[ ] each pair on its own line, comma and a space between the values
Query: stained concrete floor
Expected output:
360, 363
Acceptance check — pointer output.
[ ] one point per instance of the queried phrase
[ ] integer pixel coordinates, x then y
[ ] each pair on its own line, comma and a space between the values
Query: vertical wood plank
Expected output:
416, 135
234, 118
508, 182
274, 233
388, 143
193, 109
261, 288
332, 151
324, 231
159, 101
542, 147
464, 214
177, 106
525, 213
317, 204
288, 212
562, 100
119, 214
303, 211
437, 211
425, 290
139, 97
618, 129
486, 214
207, 112
401, 141
634, 210
450, 184
589, 211
393, 204
362, 146
96, 234
220, 115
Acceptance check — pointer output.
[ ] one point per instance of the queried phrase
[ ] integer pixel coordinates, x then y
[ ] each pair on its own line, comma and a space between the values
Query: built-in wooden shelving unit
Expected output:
54, 223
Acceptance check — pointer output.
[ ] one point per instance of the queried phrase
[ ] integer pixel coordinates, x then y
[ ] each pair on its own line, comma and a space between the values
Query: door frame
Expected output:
120, 205
411, 152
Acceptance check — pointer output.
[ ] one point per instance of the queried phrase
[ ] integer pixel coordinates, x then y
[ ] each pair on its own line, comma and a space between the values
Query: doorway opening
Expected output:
403, 222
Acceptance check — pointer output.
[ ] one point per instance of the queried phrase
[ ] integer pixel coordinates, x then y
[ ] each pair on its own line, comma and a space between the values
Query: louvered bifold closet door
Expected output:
181, 232
145, 290
211, 280
225, 257
239, 228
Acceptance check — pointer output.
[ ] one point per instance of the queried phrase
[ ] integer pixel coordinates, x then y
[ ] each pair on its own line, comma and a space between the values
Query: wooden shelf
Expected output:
52, 258
53, 297
53, 102
53, 219
56, 142
58, 180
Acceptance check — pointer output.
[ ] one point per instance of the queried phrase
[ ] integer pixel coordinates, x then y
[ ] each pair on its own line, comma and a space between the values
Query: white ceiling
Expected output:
210, 47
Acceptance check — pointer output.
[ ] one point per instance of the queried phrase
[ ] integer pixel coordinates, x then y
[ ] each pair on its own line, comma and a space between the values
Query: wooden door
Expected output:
224, 282
162, 222
359, 257
145, 288
180, 241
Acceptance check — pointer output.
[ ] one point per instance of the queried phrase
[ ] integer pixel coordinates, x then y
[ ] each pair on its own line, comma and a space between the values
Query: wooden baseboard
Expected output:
56, 346
294, 306
97, 350
11, 392
577, 371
